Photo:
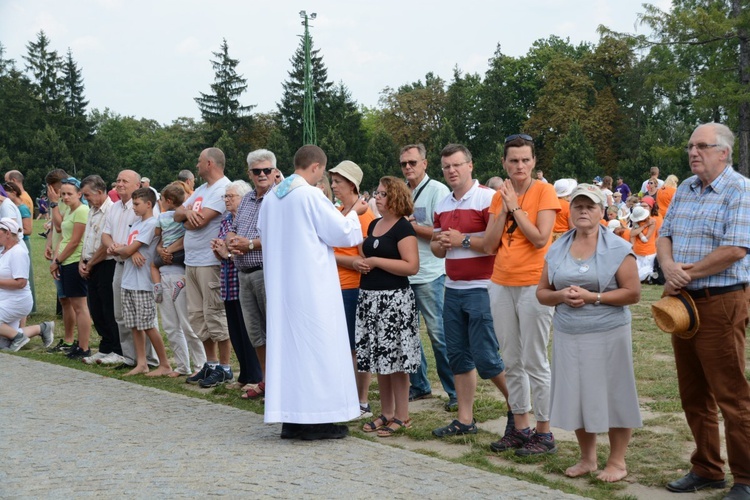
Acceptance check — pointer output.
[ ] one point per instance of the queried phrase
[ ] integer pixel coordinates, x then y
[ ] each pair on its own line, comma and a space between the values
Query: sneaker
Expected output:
78, 353
59, 346
415, 395
19, 341
178, 286
312, 432
538, 444
203, 373
158, 293
91, 360
365, 411
512, 440
66, 348
455, 428
111, 359
48, 332
217, 376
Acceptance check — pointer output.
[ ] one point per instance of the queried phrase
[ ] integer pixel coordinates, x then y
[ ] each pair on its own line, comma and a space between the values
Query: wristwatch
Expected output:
598, 299
250, 244
467, 241
53, 204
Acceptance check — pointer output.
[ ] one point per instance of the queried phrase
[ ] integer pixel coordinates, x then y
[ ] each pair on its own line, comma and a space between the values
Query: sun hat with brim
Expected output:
638, 214
563, 187
613, 224
349, 171
591, 192
676, 314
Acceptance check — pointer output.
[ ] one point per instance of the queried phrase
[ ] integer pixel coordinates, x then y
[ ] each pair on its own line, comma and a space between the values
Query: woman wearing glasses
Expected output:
64, 268
522, 215
387, 328
590, 278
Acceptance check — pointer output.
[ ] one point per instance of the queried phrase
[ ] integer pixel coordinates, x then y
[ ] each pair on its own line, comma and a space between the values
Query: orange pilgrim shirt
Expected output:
563, 216
349, 278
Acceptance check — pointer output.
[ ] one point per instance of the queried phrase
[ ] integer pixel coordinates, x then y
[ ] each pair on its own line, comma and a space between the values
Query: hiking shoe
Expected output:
538, 444
203, 373
512, 440
48, 332
78, 353
217, 376
19, 341
178, 286
312, 432
364, 411
158, 293
415, 395
111, 359
455, 428
91, 360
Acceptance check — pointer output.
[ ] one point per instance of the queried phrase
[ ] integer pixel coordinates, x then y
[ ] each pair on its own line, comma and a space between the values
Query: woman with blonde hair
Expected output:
665, 194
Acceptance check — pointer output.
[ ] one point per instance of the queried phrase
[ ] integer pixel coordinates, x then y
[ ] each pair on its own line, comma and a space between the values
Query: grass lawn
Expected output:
658, 453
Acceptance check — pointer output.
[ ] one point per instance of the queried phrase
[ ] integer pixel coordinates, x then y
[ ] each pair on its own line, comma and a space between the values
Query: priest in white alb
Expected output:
310, 381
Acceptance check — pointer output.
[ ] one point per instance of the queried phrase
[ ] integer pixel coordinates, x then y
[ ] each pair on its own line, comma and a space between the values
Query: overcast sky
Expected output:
151, 58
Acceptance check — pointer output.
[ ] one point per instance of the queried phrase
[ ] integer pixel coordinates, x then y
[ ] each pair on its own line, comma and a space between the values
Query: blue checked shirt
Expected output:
230, 283
699, 222
246, 225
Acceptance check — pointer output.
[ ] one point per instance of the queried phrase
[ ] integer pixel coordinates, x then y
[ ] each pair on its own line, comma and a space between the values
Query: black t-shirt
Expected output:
385, 246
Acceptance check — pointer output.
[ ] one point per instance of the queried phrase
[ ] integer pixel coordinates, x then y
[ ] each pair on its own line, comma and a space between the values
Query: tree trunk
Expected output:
743, 133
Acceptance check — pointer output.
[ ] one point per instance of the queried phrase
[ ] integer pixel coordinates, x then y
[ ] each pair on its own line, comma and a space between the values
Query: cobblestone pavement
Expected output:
72, 434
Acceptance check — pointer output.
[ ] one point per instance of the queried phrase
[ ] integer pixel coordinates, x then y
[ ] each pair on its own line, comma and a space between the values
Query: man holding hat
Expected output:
707, 258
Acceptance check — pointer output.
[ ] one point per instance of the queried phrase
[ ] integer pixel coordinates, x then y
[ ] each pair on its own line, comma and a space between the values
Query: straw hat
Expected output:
676, 314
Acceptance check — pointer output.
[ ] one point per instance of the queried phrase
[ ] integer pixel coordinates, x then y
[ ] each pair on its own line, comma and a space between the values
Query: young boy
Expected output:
172, 234
138, 305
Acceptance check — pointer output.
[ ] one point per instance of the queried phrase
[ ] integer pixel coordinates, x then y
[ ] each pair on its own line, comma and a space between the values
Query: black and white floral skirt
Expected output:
387, 332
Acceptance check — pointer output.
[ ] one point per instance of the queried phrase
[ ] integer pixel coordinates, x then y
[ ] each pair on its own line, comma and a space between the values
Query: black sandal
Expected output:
373, 426
388, 431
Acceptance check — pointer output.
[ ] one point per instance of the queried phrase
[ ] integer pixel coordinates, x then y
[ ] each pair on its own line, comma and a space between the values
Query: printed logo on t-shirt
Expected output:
197, 204
132, 236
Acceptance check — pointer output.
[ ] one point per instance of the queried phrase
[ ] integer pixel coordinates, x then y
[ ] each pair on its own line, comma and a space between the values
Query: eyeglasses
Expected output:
453, 165
72, 181
229, 196
411, 163
513, 137
701, 146
257, 171
380, 194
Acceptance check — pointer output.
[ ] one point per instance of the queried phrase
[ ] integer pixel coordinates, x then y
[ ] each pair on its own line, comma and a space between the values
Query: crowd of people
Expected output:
491, 270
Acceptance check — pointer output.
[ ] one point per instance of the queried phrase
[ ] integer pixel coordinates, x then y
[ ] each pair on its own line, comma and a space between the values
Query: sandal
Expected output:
256, 392
388, 430
374, 425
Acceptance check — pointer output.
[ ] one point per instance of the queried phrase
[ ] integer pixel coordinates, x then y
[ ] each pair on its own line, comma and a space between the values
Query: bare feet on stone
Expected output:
138, 370
580, 469
612, 474
160, 372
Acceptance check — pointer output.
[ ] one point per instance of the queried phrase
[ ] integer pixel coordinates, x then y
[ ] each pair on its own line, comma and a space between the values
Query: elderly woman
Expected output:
345, 180
590, 277
387, 331
522, 215
250, 372
15, 295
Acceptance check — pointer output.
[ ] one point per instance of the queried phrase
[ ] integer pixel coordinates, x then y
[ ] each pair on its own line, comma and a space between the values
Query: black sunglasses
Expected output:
256, 171
518, 136
411, 163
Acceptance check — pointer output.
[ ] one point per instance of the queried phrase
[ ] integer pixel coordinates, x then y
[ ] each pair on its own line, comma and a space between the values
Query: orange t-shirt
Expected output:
664, 197
518, 262
349, 278
649, 247
563, 216
626, 234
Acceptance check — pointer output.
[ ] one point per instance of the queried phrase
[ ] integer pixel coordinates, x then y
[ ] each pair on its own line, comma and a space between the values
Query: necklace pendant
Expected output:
583, 269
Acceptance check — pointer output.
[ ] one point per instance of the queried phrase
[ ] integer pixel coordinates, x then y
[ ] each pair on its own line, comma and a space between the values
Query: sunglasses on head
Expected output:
513, 137
257, 171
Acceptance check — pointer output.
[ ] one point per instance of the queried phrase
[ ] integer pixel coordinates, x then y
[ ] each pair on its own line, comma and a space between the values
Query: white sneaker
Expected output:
48, 332
111, 359
91, 360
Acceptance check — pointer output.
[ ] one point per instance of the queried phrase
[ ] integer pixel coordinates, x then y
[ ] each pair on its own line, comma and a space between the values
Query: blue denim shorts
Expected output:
469, 335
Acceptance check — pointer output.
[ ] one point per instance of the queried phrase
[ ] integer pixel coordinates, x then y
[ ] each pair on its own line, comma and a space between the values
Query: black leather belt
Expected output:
250, 270
712, 291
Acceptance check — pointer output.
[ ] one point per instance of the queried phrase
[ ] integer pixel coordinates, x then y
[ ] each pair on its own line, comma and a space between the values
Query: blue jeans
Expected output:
429, 298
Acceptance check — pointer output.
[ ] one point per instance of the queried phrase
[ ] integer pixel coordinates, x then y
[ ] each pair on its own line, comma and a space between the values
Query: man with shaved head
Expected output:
116, 228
